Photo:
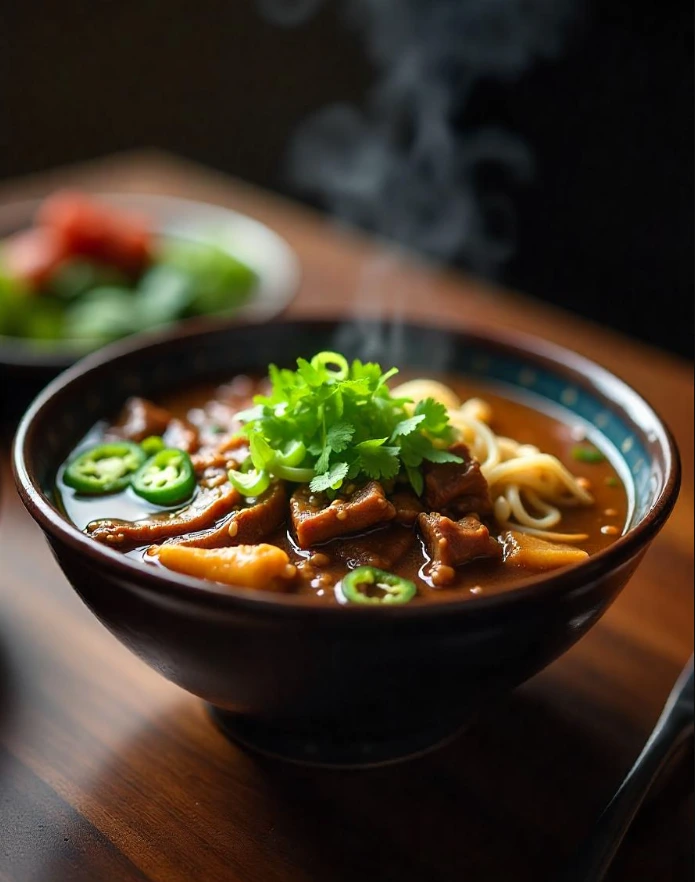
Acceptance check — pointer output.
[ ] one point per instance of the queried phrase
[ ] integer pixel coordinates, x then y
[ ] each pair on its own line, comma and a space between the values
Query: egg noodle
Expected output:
529, 488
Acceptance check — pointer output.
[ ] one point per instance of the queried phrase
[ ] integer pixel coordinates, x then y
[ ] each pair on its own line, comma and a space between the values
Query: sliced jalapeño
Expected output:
369, 585
167, 478
104, 468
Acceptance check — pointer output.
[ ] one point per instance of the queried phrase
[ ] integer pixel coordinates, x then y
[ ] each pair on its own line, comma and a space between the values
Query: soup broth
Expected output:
399, 545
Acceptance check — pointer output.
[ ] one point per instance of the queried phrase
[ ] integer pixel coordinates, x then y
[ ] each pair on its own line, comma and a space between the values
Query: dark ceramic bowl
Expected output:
343, 685
27, 366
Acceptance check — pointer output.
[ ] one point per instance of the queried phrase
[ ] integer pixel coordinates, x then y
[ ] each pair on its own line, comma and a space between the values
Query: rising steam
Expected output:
405, 166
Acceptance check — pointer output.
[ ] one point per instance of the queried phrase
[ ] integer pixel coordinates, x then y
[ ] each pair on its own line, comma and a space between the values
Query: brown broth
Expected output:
396, 548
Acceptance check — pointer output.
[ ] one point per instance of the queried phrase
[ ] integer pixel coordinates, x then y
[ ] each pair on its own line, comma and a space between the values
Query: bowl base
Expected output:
325, 751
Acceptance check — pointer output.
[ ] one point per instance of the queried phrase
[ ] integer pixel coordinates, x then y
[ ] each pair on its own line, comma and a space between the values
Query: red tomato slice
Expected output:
32, 255
95, 230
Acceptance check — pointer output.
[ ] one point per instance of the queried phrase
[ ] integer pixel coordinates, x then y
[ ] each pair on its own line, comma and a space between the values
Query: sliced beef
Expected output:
316, 520
458, 487
451, 544
246, 525
534, 553
141, 418
384, 547
209, 505
407, 506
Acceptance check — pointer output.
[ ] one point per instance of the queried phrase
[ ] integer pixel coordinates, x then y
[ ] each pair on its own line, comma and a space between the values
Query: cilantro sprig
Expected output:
330, 421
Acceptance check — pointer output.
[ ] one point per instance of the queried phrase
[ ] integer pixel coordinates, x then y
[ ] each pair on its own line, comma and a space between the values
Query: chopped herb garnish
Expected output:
588, 453
612, 481
330, 421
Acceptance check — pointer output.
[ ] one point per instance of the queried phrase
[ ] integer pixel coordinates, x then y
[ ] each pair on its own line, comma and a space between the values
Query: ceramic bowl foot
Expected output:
324, 749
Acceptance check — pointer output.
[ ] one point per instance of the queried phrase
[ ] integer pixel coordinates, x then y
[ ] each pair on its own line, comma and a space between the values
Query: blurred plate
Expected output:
25, 366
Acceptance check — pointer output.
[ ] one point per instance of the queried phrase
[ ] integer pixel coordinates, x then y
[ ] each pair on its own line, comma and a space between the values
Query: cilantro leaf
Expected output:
338, 436
321, 464
310, 375
330, 480
438, 455
413, 449
417, 482
436, 418
407, 427
376, 460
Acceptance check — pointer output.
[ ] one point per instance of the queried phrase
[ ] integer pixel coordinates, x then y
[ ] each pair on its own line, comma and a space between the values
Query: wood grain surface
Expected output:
108, 773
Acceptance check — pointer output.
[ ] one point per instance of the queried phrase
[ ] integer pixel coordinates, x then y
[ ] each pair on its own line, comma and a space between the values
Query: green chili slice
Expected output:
153, 444
167, 478
104, 468
298, 476
291, 455
335, 363
369, 585
251, 483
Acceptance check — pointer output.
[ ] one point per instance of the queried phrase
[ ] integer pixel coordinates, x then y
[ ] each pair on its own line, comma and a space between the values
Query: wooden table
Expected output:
108, 773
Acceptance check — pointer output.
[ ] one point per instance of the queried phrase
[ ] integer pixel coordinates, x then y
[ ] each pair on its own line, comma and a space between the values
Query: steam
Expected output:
405, 166
377, 330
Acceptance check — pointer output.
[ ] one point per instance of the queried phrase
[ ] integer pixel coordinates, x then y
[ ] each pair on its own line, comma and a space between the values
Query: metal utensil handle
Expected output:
592, 861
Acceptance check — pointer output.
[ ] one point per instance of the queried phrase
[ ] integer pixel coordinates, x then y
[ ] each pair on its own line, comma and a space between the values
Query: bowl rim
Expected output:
180, 588
62, 354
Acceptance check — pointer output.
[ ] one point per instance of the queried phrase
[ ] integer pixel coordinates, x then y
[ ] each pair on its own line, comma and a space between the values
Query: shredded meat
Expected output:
460, 487
246, 525
407, 506
209, 505
140, 418
316, 520
453, 543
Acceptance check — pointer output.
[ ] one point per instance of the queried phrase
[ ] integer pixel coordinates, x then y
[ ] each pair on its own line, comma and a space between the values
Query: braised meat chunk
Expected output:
228, 453
140, 418
451, 544
247, 525
407, 506
460, 487
181, 434
384, 547
315, 519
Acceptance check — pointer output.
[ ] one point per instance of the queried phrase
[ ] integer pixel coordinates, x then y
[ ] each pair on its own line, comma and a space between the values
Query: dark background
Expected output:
605, 228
